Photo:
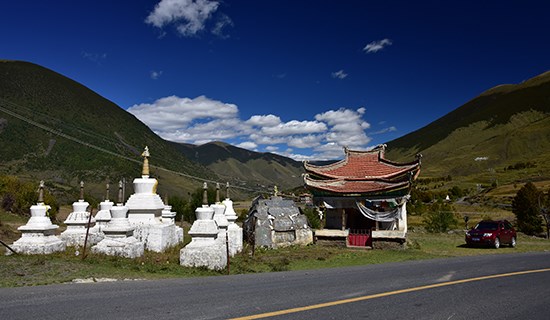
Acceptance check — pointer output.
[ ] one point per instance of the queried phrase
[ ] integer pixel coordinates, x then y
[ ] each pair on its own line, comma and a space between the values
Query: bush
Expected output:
440, 218
526, 207
312, 217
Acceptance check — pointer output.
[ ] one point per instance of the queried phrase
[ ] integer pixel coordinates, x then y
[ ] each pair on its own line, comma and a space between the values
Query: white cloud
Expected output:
264, 120
247, 145
156, 74
173, 113
376, 46
223, 22
295, 127
386, 130
94, 57
340, 74
201, 120
189, 16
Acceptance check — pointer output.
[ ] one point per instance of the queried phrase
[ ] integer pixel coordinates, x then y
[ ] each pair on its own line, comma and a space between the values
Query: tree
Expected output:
440, 217
525, 206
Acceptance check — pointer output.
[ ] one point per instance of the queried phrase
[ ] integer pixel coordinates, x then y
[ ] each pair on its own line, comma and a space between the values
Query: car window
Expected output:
487, 225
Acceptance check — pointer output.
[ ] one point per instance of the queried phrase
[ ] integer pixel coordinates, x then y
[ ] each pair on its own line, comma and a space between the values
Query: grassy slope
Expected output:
46, 97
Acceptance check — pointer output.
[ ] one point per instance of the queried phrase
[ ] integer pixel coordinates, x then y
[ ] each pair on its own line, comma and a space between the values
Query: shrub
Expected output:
525, 206
440, 218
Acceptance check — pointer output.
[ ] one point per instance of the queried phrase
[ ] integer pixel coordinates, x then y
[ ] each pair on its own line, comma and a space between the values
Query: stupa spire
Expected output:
107, 192
120, 199
41, 192
217, 192
205, 194
81, 190
227, 190
145, 155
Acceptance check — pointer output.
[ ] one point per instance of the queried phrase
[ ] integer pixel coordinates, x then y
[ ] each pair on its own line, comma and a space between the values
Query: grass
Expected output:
21, 270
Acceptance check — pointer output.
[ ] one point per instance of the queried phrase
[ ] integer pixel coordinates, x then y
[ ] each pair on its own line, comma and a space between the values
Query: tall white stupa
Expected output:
234, 231
38, 235
145, 212
78, 222
119, 233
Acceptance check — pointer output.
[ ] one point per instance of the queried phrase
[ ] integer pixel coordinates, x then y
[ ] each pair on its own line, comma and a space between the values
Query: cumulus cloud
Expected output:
376, 46
200, 120
189, 16
386, 130
221, 24
340, 74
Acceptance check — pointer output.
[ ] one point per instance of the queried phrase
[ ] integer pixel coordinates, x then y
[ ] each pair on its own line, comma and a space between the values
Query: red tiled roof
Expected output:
353, 186
363, 165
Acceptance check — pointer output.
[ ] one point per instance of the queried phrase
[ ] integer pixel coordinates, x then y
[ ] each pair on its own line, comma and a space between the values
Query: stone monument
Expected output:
221, 221
38, 235
203, 250
78, 223
119, 234
169, 218
145, 212
234, 231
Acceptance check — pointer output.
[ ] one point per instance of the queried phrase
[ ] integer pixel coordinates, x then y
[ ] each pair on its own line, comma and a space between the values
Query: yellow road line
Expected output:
385, 294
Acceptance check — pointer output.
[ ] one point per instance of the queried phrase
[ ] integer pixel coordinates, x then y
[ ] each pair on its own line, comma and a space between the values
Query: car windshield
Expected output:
485, 225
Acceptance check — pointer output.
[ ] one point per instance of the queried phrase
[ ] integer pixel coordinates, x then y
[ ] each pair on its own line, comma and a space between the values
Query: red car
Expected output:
492, 233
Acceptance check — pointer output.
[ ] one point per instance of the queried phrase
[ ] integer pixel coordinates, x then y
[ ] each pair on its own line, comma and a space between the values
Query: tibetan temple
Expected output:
362, 198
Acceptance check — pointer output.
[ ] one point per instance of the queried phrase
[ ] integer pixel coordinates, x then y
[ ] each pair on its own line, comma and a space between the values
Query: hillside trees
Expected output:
17, 197
526, 207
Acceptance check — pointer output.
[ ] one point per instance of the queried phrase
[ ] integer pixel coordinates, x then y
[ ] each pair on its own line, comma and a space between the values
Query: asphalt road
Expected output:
407, 293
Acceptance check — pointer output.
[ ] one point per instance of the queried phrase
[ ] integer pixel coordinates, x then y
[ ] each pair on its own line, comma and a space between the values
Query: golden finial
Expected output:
205, 194
145, 155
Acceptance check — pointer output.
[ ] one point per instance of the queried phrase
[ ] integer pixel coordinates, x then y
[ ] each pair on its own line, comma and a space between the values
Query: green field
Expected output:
21, 270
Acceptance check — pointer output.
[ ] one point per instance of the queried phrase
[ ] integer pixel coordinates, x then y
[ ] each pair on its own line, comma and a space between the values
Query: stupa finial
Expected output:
205, 194
275, 191
107, 192
217, 192
145, 155
120, 197
41, 192
227, 190
81, 190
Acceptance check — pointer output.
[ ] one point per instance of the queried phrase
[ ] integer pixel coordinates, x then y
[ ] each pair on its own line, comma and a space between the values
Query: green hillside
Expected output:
501, 137
244, 167
56, 129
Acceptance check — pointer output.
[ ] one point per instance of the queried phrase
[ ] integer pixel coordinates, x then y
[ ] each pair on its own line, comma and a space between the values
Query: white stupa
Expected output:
145, 212
235, 233
38, 235
221, 221
203, 250
78, 223
169, 217
103, 216
119, 233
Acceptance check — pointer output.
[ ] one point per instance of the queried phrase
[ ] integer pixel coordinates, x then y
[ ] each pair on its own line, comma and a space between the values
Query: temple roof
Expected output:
362, 173
364, 165
354, 187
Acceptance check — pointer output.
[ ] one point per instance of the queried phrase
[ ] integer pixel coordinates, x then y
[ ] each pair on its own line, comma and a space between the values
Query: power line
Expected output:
87, 144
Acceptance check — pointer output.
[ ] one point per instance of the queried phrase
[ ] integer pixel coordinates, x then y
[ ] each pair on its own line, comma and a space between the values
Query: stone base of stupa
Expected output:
127, 247
197, 255
37, 243
157, 236
75, 237
235, 234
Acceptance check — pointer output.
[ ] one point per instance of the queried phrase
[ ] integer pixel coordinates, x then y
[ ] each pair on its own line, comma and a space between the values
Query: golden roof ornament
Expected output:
145, 154
275, 191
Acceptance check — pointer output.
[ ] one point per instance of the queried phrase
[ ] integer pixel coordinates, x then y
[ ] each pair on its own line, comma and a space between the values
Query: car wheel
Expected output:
513, 244
497, 243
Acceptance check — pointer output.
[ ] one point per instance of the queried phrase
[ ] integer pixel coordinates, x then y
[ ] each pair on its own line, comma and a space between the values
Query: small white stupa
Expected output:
169, 217
38, 235
103, 216
203, 250
119, 234
145, 212
221, 221
235, 232
78, 223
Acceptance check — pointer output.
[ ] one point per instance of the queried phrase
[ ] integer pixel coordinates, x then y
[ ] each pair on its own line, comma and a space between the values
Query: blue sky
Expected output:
298, 78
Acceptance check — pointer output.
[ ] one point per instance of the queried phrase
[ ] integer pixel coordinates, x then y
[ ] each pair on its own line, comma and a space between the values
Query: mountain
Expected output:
242, 167
507, 126
56, 129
